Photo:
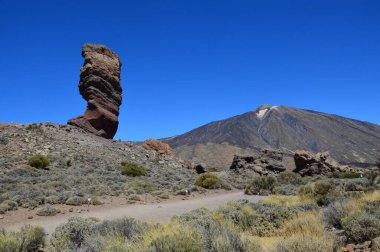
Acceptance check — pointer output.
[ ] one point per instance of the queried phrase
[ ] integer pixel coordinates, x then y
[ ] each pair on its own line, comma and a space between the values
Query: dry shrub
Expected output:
305, 232
169, 237
29, 238
284, 200
160, 147
209, 181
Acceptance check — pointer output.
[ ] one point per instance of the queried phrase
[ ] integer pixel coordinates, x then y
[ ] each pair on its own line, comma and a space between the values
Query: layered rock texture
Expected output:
288, 129
310, 164
99, 85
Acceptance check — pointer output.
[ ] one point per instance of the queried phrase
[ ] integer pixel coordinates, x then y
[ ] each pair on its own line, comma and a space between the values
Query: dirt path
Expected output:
154, 212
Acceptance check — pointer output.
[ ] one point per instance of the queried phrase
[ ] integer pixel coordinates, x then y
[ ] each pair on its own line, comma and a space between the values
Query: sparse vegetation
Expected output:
3, 140
348, 203
305, 232
278, 223
261, 185
347, 175
79, 165
209, 181
33, 126
74, 201
133, 170
361, 227
39, 161
8, 205
47, 211
321, 191
27, 239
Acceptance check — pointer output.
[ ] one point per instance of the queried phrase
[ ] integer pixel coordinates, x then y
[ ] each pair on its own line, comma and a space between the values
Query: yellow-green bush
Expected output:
144, 186
39, 161
8, 205
303, 233
320, 191
301, 243
47, 211
133, 170
28, 239
263, 185
208, 181
169, 238
74, 201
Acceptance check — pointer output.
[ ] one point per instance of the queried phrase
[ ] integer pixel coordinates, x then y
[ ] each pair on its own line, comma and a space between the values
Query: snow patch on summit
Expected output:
261, 113
263, 110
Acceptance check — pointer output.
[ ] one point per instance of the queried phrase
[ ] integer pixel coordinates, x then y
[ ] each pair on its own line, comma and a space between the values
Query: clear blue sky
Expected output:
186, 63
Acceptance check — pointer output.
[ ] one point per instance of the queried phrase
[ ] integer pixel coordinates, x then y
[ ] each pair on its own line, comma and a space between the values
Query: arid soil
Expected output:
118, 207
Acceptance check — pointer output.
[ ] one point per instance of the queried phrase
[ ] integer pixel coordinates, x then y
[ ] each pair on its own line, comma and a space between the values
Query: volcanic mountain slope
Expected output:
280, 127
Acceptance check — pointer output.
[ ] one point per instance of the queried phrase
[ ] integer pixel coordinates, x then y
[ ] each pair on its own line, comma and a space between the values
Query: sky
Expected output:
187, 63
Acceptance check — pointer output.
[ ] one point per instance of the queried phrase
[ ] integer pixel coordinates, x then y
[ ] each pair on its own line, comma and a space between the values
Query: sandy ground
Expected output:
150, 212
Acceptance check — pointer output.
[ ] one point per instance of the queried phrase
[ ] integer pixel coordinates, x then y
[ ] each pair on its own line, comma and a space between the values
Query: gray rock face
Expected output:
265, 163
287, 129
320, 163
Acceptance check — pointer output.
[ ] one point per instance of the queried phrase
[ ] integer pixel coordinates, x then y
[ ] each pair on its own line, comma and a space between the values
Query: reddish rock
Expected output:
99, 85
310, 164
158, 146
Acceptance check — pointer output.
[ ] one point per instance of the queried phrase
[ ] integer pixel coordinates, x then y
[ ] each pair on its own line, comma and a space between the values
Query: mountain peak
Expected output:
262, 110
264, 106
288, 129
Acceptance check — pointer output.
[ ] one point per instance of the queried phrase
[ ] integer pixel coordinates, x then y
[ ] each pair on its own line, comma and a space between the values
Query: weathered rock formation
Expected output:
99, 85
265, 163
158, 146
320, 163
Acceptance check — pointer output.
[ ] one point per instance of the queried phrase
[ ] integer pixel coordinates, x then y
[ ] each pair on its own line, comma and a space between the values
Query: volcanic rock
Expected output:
158, 146
310, 164
200, 168
265, 163
99, 85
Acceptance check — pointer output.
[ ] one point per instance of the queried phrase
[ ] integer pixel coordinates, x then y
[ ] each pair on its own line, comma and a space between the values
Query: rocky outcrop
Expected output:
310, 164
158, 146
99, 85
266, 163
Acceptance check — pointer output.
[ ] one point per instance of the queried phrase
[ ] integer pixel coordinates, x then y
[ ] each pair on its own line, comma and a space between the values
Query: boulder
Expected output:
99, 85
200, 168
158, 146
266, 163
321, 163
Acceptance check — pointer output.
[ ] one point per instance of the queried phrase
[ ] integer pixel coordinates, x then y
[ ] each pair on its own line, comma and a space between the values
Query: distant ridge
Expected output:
289, 129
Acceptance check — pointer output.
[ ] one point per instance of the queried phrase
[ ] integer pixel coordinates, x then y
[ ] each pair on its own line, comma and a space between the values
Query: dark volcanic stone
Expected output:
267, 162
200, 168
99, 85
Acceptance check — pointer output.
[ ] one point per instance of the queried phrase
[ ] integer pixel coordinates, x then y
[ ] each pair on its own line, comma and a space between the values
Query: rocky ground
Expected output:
82, 165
